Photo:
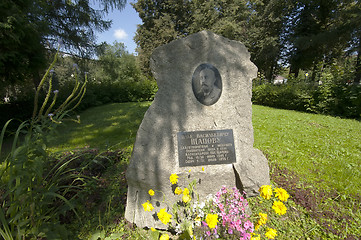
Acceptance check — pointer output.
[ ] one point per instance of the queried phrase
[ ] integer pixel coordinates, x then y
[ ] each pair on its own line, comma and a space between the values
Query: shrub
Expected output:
35, 191
328, 98
291, 97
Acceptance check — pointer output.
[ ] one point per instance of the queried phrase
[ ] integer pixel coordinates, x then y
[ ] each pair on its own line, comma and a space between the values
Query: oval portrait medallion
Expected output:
207, 84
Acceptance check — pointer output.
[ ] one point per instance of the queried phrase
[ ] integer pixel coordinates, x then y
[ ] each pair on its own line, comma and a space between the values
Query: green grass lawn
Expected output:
109, 126
319, 147
316, 146
316, 158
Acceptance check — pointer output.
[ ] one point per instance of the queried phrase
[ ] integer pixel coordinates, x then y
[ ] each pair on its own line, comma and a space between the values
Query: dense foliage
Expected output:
36, 190
305, 34
333, 94
114, 77
336, 100
29, 28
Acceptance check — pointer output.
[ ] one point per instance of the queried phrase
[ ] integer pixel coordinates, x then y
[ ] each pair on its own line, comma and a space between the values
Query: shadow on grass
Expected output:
335, 212
101, 203
110, 126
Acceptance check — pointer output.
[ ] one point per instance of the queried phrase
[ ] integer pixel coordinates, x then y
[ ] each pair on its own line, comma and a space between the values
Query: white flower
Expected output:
209, 197
177, 229
194, 207
198, 223
201, 214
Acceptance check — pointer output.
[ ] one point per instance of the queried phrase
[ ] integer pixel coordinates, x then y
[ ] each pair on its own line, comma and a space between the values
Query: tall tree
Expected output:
313, 37
117, 64
29, 28
256, 23
228, 18
163, 21
166, 20
266, 32
349, 24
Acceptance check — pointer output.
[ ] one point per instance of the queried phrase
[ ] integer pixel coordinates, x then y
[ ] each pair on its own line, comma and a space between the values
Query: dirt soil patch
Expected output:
326, 207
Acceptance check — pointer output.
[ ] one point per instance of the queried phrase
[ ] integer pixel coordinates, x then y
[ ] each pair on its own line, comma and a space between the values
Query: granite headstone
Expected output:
201, 117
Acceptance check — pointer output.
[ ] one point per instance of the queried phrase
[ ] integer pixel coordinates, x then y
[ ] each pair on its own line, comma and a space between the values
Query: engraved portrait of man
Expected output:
207, 85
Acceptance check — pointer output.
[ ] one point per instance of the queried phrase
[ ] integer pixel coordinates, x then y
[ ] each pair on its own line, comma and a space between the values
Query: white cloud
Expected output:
120, 34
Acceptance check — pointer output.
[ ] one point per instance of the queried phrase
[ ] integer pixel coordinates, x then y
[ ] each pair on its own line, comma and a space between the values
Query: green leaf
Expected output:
154, 235
5, 230
98, 235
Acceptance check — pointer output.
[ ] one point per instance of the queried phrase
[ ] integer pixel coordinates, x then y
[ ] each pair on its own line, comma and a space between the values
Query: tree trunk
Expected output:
270, 73
357, 78
294, 70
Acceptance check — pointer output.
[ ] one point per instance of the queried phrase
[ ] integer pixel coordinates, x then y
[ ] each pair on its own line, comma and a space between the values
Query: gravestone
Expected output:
200, 119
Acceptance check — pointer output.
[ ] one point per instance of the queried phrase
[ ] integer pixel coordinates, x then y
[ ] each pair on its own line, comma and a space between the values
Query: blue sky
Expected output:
123, 27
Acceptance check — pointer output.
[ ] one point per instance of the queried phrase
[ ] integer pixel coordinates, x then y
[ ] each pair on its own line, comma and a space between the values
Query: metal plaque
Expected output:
206, 148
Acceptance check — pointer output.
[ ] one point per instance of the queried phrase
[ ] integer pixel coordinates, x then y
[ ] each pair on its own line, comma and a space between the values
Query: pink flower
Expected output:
239, 228
218, 195
221, 207
231, 206
247, 225
246, 235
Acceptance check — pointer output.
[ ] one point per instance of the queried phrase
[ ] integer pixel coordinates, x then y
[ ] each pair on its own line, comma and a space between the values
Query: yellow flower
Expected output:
271, 233
279, 207
147, 206
153, 229
257, 226
173, 178
263, 218
281, 194
212, 220
186, 198
189, 170
151, 192
203, 169
164, 237
186, 191
266, 191
198, 219
163, 216
178, 191
258, 237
